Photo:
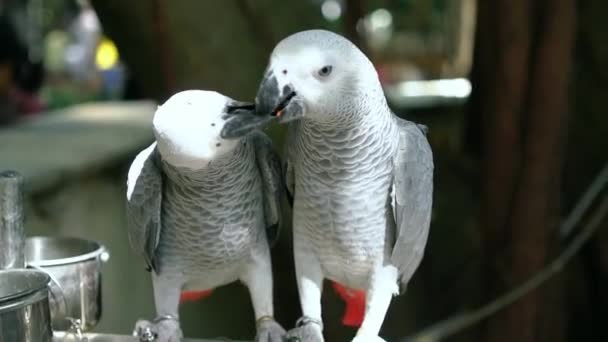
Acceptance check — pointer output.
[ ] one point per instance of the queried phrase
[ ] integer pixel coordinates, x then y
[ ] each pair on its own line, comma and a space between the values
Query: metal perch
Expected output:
12, 235
90, 337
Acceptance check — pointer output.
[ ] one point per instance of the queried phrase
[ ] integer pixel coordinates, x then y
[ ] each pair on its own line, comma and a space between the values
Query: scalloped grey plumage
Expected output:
158, 207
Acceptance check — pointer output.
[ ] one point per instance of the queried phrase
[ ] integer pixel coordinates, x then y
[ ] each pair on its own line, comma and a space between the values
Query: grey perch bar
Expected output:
92, 337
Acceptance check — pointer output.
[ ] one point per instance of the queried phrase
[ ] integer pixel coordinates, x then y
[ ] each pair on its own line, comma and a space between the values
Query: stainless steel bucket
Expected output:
24, 306
74, 266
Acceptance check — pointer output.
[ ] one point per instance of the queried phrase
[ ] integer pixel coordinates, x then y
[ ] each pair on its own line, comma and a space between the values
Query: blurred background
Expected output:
514, 93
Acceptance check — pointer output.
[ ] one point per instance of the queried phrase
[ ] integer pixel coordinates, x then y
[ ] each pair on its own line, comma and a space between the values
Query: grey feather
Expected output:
289, 175
144, 204
269, 165
413, 197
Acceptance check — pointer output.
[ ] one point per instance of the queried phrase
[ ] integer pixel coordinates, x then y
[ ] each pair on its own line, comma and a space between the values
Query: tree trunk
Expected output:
355, 10
523, 58
587, 146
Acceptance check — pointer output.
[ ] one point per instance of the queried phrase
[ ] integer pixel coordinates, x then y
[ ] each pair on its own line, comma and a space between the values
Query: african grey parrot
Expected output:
361, 178
202, 209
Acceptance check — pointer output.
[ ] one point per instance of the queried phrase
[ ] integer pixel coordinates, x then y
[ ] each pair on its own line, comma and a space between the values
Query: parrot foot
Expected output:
307, 330
367, 338
162, 329
268, 330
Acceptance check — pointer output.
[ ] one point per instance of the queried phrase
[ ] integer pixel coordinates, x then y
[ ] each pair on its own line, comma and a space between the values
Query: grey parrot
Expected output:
361, 177
202, 210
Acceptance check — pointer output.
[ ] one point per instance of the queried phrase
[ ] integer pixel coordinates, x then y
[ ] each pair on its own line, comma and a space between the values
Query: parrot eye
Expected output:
325, 71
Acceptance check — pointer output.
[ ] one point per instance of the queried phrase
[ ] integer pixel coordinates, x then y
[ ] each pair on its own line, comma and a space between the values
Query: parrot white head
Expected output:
315, 74
187, 127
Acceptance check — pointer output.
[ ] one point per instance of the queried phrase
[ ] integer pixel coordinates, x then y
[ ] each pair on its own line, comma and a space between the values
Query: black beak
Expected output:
236, 107
275, 102
270, 103
241, 119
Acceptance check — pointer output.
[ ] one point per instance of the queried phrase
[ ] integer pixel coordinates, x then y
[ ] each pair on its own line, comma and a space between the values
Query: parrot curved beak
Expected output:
234, 107
271, 103
283, 103
241, 120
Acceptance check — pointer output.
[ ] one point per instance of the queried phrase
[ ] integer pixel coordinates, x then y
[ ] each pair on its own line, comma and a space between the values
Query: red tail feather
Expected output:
193, 296
355, 305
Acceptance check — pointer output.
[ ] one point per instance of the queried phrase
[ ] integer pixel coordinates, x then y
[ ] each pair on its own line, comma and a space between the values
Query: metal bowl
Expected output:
24, 306
74, 266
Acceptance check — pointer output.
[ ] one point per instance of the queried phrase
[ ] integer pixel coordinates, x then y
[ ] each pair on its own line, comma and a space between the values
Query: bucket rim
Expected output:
42, 284
94, 254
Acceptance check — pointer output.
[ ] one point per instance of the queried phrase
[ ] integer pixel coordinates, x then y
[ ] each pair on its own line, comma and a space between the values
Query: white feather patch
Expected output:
136, 168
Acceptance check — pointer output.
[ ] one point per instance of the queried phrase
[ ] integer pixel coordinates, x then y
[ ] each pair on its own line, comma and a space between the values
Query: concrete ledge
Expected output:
58, 145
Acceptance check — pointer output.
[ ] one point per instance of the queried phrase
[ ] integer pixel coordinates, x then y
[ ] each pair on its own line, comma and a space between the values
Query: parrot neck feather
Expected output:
209, 169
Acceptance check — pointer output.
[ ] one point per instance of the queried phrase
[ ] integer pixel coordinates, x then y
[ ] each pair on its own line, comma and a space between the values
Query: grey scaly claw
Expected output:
268, 330
144, 331
307, 330
162, 329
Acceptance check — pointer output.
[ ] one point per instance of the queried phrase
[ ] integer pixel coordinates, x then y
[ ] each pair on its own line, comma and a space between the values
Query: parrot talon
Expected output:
147, 335
304, 320
162, 329
307, 330
143, 331
263, 319
268, 330
165, 318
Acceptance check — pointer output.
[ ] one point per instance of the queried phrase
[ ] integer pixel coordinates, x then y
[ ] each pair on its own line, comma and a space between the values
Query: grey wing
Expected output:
292, 131
269, 165
144, 197
289, 181
412, 197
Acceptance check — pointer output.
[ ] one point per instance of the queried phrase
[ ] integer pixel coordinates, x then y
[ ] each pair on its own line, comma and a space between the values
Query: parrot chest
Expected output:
214, 224
341, 204
346, 228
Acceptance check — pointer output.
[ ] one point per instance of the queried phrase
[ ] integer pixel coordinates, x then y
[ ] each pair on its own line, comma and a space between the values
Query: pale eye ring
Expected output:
325, 71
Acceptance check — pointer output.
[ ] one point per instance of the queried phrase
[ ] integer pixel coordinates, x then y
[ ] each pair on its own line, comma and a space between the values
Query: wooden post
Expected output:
12, 234
521, 86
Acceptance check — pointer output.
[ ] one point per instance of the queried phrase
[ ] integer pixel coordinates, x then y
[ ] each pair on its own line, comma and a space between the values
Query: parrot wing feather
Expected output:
269, 165
292, 131
412, 197
144, 196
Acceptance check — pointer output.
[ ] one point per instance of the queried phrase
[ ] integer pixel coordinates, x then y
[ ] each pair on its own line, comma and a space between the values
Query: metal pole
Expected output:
12, 233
